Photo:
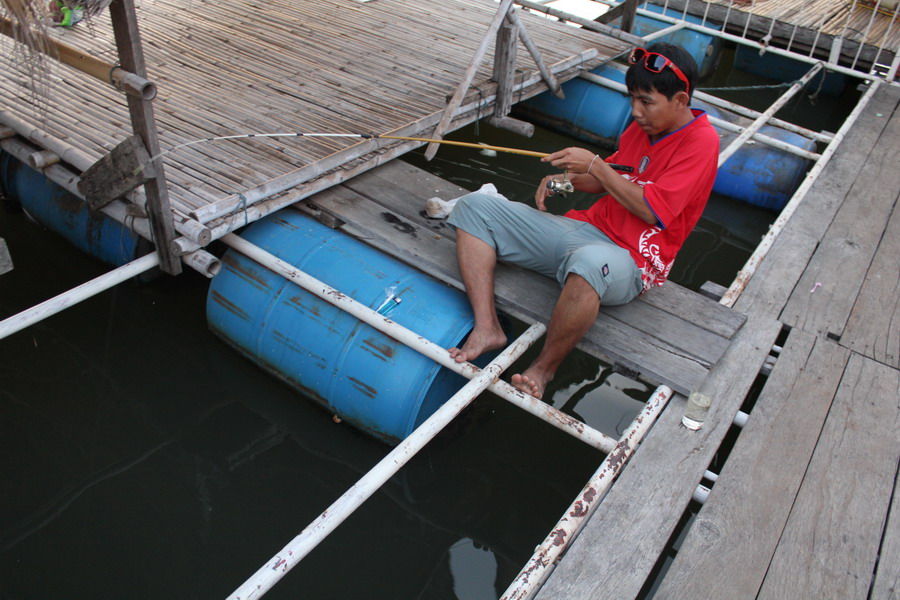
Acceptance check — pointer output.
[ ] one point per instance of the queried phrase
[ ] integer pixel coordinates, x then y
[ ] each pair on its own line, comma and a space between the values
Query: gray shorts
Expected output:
549, 244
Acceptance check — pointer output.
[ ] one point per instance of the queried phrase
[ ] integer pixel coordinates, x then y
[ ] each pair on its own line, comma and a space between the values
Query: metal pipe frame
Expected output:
422, 345
535, 572
298, 548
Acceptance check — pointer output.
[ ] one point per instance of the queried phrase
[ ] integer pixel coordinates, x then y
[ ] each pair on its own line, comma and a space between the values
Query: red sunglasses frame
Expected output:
641, 54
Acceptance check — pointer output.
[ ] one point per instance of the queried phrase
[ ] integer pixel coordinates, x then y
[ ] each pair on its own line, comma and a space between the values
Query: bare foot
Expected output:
478, 343
531, 382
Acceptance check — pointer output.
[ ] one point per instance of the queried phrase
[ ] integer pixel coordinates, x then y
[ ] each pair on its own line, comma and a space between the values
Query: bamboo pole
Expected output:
586, 23
535, 52
81, 161
744, 136
114, 75
200, 260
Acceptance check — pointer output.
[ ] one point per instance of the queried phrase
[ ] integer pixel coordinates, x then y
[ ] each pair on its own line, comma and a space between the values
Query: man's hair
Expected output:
667, 83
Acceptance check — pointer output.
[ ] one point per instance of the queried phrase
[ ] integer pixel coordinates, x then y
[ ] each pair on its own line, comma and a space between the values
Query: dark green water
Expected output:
142, 458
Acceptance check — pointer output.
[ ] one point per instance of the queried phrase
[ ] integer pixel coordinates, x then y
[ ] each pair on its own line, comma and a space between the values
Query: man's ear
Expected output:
682, 98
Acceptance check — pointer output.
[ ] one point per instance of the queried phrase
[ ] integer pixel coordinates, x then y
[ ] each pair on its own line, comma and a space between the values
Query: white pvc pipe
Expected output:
759, 137
743, 277
419, 343
536, 571
741, 139
701, 494
747, 42
75, 295
275, 568
199, 259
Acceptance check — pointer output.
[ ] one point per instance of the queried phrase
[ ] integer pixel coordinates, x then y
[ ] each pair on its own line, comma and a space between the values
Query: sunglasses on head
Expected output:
655, 63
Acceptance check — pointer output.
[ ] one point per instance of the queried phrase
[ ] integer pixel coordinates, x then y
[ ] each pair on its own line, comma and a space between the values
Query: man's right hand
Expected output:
542, 193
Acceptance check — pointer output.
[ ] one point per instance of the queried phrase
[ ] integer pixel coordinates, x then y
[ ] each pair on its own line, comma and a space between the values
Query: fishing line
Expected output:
365, 136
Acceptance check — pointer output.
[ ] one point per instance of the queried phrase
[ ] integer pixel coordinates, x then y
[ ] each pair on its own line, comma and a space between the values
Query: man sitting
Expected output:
624, 243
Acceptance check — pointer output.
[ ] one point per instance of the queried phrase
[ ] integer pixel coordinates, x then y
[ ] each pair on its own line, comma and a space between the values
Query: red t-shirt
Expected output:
677, 173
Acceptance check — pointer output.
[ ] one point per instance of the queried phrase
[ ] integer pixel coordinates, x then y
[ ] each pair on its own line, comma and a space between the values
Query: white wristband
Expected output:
590, 166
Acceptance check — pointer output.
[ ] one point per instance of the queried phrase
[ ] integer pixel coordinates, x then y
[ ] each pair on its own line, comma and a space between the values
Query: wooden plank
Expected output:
874, 325
125, 168
435, 254
831, 541
815, 214
143, 122
842, 260
887, 578
617, 550
403, 188
776, 278
735, 534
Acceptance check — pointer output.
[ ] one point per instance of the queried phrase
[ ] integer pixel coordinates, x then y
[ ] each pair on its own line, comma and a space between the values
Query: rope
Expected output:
747, 87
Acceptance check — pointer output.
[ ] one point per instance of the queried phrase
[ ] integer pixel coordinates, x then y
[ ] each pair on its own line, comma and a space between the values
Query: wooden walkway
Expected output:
224, 69
807, 504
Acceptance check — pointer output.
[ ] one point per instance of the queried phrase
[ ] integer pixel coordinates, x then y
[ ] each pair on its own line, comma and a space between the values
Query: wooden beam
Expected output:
125, 168
143, 122
463, 86
505, 66
625, 10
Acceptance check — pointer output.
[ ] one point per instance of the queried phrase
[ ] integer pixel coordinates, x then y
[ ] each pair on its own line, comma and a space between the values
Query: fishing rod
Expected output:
366, 136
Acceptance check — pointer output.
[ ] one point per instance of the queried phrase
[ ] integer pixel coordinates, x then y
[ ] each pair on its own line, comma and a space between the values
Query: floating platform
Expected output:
280, 67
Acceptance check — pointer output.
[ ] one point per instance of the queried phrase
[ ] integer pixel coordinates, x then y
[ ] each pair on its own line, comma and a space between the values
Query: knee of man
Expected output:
475, 201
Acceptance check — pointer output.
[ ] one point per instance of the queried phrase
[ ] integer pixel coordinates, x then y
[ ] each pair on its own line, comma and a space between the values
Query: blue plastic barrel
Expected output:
368, 379
759, 174
66, 214
590, 112
704, 48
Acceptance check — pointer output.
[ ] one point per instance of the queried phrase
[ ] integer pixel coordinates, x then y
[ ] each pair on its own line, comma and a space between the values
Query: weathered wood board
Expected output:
670, 335
840, 263
615, 553
831, 541
776, 278
742, 521
887, 579
874, 325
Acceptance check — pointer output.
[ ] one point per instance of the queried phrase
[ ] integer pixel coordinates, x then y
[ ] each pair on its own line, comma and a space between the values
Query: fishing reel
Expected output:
559, 186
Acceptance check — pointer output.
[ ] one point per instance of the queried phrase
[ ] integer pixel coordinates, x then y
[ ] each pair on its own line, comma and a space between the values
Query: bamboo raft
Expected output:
863, 35
325, 66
